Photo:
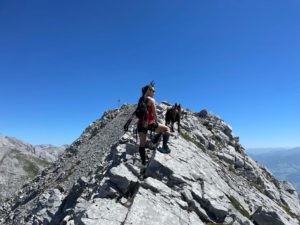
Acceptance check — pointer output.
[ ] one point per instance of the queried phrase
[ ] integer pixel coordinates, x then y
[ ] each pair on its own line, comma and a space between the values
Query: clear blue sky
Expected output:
63, 63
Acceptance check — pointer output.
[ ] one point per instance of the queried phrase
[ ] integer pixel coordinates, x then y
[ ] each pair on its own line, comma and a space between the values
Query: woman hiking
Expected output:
149, 122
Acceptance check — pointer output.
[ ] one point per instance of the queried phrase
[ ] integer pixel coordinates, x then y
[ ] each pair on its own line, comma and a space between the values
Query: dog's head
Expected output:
177, 107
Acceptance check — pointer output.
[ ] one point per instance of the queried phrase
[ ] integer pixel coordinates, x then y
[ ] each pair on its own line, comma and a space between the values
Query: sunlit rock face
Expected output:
206, 179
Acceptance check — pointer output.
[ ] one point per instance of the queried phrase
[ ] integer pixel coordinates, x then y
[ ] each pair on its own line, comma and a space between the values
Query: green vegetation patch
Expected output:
41, 162
238, 206
30, 164
30, 168
190, 139
231, 168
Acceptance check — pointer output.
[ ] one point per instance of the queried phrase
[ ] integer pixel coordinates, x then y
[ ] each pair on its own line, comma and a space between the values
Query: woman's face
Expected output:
151, 91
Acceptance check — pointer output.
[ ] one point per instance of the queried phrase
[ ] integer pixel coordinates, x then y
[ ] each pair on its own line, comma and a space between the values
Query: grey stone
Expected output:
104, 212
98, 180
264, 216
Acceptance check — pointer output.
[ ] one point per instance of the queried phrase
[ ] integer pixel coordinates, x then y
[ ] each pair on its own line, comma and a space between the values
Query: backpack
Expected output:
141, 110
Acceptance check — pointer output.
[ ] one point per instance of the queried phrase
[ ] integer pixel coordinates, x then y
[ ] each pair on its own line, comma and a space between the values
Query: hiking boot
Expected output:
165, 150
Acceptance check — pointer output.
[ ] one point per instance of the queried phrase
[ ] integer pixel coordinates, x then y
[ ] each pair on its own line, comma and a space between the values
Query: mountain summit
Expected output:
206, 179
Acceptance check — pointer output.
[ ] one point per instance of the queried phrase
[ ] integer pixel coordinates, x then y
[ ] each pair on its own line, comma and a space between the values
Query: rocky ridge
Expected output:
206, 179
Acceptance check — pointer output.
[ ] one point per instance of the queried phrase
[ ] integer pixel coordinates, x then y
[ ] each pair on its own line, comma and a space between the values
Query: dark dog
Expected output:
173, 115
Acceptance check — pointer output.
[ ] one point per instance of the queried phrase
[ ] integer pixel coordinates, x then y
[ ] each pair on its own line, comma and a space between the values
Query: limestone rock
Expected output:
206, 178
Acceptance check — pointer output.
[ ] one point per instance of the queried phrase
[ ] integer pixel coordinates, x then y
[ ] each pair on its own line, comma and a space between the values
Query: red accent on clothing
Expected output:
150, 115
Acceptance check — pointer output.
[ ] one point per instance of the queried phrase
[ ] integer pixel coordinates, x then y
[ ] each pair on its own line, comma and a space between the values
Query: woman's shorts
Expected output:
151, 127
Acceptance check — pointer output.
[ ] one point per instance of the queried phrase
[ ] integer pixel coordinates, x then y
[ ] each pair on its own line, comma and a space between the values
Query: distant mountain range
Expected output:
282, 162
258, 151
21, 161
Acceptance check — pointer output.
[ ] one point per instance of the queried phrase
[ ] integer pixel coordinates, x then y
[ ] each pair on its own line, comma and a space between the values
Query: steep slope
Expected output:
20, 161
285, 165
206, 179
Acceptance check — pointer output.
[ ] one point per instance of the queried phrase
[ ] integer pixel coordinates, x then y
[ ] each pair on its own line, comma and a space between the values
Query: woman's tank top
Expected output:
150, 119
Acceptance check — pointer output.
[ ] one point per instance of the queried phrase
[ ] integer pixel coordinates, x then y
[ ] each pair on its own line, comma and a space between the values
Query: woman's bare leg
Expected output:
162, 129
165, 130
